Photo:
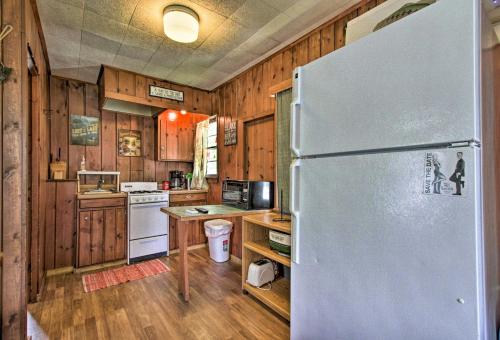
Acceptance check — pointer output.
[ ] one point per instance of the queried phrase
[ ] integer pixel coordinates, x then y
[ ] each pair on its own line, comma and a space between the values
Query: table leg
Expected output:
182, 240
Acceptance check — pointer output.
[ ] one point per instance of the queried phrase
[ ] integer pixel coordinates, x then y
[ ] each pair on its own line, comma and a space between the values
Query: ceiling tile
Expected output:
63, 48
258, 44
63, 62
104, 27
280, 5
222, 7
96, 50
254, 14
186, 72
70, 73
149, 18
226, 37
156, 71
76, 3
169, 55
234, 60
89, 74
130, 64
135, 53
142, 40
54, 12
209, 79
119, 10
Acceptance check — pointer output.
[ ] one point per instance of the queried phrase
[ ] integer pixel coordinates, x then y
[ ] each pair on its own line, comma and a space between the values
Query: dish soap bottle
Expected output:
82, 164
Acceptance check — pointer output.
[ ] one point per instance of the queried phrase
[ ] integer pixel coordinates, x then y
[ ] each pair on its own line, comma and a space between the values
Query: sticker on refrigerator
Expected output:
444, 173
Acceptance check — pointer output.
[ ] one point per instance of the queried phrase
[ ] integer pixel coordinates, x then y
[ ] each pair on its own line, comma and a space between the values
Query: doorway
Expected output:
259, 149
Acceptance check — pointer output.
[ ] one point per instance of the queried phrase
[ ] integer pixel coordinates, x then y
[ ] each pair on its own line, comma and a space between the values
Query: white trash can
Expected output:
218, 233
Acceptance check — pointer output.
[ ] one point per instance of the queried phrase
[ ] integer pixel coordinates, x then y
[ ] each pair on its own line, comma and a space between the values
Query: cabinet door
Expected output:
172, 137
121, 234
109, 234
84, 239
96, 236
186, 137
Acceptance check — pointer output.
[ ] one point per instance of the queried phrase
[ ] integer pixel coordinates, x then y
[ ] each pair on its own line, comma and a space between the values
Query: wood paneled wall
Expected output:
22, 185
69, 97
245, 99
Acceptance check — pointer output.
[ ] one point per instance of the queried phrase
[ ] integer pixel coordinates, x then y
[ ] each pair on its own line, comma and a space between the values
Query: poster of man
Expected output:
129, 143
84, 130
444, 173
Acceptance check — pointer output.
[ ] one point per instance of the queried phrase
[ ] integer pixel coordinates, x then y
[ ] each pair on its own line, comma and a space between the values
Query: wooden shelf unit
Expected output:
256, 246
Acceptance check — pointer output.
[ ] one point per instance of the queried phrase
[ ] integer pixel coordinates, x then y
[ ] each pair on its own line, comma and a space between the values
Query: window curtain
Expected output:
283, 156
200, 156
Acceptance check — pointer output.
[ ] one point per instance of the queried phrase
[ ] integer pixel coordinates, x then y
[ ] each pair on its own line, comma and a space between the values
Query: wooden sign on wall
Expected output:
129, 143
230, 134
161, 92
84, 130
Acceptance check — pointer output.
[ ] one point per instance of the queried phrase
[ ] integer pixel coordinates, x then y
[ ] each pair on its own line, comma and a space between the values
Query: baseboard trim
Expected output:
99, 266
193, 247
60, 271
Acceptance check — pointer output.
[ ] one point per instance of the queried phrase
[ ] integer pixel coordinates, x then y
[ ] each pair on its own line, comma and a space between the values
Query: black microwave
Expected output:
248, 194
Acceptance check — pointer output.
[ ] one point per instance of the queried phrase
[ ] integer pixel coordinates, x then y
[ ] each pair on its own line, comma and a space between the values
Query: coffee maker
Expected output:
176, 179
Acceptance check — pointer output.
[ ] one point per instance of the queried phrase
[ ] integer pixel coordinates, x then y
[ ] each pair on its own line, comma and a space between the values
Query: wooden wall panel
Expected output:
65, 223
327, 39
50, 226
72, 97
76, 106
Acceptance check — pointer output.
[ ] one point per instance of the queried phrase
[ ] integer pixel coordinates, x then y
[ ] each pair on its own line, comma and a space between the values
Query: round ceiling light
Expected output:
181, 24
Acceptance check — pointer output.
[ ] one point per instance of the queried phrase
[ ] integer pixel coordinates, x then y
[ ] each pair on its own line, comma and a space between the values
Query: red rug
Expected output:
116, 276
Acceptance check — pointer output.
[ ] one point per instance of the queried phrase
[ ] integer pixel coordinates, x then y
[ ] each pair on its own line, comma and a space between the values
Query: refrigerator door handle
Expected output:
294, 126
295, 208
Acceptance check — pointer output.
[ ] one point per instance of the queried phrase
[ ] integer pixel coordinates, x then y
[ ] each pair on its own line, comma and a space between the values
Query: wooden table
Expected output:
182, 217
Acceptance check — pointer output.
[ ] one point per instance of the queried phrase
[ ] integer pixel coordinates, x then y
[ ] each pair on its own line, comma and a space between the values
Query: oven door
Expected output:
146, 220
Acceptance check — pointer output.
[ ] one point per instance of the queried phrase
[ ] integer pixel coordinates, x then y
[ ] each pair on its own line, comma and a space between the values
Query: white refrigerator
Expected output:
392, 189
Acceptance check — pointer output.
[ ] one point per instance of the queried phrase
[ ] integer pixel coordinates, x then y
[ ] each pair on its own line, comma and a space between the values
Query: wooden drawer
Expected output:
187, 203
102, 202
188, 197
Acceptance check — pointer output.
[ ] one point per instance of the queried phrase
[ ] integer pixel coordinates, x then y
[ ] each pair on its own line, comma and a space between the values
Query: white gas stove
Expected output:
147, 226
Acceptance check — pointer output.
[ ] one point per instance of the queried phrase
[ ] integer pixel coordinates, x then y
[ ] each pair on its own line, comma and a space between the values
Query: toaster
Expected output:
260, 272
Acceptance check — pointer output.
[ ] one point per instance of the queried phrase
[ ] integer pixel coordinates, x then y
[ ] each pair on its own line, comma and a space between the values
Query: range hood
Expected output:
131, 108
128, 92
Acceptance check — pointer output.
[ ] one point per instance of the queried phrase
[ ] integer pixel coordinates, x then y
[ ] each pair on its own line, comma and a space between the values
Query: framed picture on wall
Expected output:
84, 130
129, 143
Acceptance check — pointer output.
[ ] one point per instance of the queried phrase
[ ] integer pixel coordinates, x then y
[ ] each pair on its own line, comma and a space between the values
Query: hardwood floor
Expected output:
152, 309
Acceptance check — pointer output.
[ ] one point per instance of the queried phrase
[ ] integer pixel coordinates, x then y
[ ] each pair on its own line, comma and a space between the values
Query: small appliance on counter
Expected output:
176, 179
261, 272
280, 242
165, 185
249, 195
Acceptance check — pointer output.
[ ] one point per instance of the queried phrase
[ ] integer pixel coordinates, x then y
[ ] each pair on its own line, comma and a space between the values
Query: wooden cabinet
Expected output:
175, 137
101, 231
196, 232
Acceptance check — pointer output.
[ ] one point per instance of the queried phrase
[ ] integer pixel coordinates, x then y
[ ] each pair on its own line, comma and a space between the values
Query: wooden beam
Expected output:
13, 186
280, 87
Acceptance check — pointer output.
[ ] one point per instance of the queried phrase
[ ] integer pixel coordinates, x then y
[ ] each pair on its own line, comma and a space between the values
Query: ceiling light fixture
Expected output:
172, 116
183, 112
181, 23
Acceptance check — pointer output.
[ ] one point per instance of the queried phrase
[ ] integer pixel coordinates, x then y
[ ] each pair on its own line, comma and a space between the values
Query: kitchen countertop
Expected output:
214, 211
81, 196
183, 191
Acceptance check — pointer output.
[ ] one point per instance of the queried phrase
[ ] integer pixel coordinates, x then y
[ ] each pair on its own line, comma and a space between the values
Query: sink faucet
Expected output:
100, 182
